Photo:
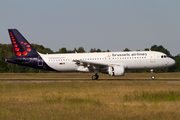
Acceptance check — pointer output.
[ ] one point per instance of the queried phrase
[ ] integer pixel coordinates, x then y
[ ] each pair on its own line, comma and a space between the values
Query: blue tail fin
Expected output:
20, 45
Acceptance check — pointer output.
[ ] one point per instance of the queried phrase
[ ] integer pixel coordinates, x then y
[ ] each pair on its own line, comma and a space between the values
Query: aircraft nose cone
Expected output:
172, 62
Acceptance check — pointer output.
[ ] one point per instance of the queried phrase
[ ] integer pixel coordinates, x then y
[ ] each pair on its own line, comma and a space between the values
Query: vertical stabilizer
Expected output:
20, 45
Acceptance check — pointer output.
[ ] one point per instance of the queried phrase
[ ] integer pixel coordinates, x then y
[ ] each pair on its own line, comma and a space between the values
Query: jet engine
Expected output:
116, 71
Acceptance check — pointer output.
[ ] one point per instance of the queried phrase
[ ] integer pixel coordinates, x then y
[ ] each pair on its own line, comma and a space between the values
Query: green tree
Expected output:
75, 50
126, 49
81, 50
70, 51
160, 49
62, 50
49, 51
32, 70
146, 49
3, 66
94, 50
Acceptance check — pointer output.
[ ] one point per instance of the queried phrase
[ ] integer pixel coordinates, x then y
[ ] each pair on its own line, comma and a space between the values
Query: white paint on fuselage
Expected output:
130, 60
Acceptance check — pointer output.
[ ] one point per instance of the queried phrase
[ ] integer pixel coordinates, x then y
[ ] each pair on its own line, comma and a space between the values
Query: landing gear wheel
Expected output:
152, 77
95, 77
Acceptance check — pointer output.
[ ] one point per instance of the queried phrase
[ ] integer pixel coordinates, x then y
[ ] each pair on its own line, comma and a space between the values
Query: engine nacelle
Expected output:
116, 71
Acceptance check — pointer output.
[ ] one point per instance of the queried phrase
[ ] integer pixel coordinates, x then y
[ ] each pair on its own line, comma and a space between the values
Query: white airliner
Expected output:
112, 63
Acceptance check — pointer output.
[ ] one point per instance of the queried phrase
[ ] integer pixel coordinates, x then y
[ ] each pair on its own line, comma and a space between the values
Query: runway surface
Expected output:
71, 80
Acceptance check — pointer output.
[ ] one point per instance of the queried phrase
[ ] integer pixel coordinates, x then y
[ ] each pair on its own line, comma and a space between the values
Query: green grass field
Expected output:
79, 100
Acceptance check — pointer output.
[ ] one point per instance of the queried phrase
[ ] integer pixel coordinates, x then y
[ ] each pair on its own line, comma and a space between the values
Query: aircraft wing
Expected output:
97, 64
89, 63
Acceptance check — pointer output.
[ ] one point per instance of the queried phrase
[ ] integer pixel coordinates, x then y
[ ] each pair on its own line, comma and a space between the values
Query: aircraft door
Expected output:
40, 61
152, 58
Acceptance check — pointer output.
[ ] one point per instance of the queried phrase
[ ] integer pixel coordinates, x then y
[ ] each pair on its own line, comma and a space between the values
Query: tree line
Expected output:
6, 51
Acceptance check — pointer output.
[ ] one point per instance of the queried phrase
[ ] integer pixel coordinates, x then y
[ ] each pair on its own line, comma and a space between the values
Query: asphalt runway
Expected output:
81, 80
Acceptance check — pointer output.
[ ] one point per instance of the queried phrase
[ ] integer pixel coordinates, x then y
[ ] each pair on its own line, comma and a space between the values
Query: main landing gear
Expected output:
95, 77
152, 74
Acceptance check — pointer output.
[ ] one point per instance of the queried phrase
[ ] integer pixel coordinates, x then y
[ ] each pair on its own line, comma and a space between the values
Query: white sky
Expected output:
103, 24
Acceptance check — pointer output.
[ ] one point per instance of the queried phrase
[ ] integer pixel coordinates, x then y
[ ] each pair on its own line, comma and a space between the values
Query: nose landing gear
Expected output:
152, 74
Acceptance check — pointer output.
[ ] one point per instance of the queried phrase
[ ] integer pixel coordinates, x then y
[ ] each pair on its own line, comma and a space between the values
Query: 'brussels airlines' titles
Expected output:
128, 54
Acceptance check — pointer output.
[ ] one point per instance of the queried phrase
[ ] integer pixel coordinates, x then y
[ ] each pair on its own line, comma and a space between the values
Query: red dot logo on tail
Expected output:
18, 53
29, 49
15, 45
10, 33
25, 53
16, 49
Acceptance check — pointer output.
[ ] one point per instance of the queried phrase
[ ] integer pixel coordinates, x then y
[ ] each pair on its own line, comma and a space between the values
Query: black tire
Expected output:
97, 77
94, 77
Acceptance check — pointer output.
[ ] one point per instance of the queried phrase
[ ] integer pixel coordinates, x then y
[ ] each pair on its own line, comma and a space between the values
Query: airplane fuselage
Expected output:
112, 63
130, 60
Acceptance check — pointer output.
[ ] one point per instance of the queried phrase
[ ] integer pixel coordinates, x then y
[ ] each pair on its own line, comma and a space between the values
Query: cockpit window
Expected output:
163, 56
